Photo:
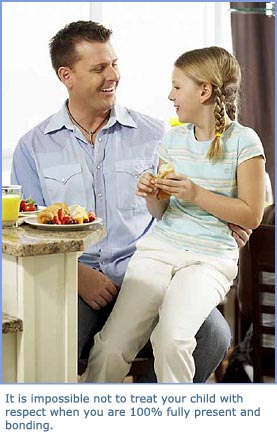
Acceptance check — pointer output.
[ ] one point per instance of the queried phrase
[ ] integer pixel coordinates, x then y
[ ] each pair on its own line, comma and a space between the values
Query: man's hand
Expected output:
95, 288
145, 186
241, 235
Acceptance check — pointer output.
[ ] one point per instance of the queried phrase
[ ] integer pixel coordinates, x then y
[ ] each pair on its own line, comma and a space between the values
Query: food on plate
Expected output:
27, 205
62, 214
53, 212
78, 213
164, 170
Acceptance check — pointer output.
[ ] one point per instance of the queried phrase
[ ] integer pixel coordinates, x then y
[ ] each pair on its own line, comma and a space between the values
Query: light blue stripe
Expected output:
184, 224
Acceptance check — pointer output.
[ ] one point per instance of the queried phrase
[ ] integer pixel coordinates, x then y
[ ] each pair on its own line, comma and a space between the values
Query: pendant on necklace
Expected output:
90, 137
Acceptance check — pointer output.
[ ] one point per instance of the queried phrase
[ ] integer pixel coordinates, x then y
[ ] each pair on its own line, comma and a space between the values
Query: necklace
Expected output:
90, 133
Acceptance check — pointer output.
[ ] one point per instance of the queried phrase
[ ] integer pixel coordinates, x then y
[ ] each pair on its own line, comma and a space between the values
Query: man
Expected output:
91, 153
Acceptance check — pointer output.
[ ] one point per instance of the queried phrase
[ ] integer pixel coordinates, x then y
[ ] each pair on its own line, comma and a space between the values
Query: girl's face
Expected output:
186, 95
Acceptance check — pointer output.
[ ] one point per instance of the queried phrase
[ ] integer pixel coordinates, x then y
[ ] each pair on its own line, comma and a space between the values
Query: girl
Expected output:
186, 264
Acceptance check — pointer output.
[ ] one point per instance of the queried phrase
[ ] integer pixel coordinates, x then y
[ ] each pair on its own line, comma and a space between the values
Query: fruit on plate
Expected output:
62, 214
27, 205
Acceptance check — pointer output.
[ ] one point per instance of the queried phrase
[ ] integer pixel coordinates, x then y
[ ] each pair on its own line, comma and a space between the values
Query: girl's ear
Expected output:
206, 92
64, 74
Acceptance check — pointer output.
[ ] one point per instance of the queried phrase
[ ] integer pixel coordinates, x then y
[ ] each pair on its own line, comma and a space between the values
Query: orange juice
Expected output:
11, 196
10, 207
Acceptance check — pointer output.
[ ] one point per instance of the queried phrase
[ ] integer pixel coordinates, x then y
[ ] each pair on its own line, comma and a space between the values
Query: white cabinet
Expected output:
42, 291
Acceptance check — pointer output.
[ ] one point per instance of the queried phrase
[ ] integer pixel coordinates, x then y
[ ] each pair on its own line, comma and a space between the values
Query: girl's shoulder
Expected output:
241, 132
244, 141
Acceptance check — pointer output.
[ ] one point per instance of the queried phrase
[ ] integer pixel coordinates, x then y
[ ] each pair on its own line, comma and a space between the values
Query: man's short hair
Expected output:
62, 45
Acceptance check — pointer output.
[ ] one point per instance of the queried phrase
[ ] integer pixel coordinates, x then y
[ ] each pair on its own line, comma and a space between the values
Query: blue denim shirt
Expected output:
54, 163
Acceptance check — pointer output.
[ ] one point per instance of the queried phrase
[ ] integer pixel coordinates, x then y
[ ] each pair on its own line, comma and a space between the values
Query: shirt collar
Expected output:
61, 119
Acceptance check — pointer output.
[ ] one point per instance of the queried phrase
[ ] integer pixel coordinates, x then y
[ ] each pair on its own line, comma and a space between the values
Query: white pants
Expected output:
166, 295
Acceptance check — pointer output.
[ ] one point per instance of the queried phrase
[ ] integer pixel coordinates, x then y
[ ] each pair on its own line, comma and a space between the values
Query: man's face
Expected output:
94, 78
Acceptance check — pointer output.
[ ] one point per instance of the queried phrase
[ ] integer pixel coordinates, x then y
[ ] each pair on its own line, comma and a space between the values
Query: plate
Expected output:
72, 227
31, 213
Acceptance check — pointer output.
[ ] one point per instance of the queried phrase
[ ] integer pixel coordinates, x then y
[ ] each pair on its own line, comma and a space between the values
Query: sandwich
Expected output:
164, 170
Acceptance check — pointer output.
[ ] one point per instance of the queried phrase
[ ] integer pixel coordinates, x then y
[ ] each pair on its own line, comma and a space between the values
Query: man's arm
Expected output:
145, 189
24, 173
95, 288
241, 235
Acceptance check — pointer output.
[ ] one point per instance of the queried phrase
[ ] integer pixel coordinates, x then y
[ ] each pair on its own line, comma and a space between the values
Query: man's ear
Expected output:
206, 92
64, 74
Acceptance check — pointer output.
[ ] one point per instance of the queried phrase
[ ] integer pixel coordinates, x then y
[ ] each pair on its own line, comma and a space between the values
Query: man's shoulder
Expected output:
38, 130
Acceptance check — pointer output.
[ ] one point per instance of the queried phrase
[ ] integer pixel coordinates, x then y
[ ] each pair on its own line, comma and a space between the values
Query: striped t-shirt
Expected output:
184, 225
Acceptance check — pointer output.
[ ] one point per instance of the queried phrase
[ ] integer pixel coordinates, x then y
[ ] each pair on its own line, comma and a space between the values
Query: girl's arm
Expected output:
245, 211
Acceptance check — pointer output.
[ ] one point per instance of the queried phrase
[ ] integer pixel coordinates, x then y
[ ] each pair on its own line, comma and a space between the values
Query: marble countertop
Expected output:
11, 324
26, 241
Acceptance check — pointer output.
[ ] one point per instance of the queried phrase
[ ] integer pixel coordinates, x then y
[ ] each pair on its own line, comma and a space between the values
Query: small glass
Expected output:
11, 197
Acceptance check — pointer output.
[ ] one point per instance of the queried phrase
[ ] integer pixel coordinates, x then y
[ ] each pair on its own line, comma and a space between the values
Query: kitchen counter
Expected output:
26, 241
11, 324
39, 288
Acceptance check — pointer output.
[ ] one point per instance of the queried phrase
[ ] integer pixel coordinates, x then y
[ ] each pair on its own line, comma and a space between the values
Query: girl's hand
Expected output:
145, 186
177, 185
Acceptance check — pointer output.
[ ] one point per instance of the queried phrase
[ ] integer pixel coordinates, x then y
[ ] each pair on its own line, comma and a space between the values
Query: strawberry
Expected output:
23, 204
56, 220
28, 205
66, 219
60, 214
91, 216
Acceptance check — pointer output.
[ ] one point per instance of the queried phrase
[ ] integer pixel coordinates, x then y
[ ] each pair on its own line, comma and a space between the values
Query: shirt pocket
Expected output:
127, 174
64, 183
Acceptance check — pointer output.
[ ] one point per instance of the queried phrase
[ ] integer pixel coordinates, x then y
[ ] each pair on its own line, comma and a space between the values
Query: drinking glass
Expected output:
11, 197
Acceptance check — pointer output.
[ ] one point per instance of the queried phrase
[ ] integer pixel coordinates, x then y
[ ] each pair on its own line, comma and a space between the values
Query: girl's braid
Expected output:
219, 110
215, 150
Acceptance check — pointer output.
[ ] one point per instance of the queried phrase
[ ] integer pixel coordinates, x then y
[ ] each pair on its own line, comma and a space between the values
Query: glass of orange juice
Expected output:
11, 197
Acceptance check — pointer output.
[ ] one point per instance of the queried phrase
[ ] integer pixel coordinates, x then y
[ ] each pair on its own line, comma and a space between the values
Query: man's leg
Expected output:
213, 341
90, 322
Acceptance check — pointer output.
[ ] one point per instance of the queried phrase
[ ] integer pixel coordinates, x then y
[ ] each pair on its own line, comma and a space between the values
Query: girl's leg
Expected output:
131, 321
213, 341
193, 292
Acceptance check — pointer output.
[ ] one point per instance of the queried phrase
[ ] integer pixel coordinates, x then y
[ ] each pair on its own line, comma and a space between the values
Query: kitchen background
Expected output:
148, 37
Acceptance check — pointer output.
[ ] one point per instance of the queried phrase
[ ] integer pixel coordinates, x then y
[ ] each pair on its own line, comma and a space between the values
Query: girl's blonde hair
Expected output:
216, 66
